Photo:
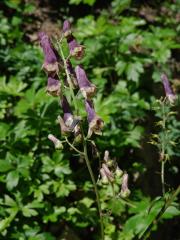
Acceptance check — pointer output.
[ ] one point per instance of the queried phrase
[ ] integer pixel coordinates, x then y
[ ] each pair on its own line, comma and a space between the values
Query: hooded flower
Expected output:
53, 87
68, 123
76, 50
86, 87
57, 143
95, 122
51, 57
67, 29
68, 117
124, 188
168, 91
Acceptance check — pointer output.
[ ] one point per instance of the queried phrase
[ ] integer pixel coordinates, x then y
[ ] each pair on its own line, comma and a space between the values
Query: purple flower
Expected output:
95, 122
86, 87
68, 117
51, 57
76, 50
53, 87
68, 123
57, 143
168, 91
67, 29
71, 73
124, 188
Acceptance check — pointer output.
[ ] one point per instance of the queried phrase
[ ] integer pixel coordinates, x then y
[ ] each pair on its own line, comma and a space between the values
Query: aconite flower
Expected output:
68, 116
95, 122
53, 87
57, 143
68, 123
67, 29
51, 57
168, 91
76, 50
86, 87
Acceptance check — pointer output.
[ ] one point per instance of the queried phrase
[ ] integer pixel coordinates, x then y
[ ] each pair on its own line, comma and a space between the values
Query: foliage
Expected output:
47, 194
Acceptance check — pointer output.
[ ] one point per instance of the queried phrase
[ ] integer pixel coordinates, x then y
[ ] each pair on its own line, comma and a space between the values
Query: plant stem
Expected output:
75, 149
95, 187
162, 177
68, 77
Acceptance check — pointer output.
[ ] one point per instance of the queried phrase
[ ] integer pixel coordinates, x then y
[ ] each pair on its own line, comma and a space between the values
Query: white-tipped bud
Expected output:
108, 172
125, 192
106, 155
57, 142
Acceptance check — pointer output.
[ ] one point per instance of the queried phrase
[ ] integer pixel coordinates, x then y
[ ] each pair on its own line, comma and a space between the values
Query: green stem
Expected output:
162, 177
68, 77
75, 149
95, 187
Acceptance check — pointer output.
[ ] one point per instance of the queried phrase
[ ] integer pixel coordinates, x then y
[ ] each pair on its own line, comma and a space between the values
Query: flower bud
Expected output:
104, 178
67, 29
57, 142
168, 91
125, 192
108, 172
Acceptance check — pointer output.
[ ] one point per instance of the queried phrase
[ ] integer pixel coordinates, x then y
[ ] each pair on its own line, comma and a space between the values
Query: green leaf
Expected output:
5, 166
12, 179
4, 128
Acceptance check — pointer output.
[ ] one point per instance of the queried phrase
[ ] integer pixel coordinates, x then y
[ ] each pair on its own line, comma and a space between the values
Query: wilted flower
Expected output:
125, 192
53, 86
86, 87
76, 50
57, 142
71, 73
67, 29
168, 91
51, 57
95, 122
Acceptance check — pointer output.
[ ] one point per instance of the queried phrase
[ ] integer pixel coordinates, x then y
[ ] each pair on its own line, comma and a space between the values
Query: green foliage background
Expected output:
47, 194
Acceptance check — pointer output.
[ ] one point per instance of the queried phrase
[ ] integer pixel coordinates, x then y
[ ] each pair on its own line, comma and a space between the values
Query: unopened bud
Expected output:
57, 142
125, 192
104, 178
108, 172
118, 172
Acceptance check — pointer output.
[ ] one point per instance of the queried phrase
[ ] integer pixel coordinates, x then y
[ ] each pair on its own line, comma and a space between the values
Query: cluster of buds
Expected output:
112, 174
76, 78
171, 97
